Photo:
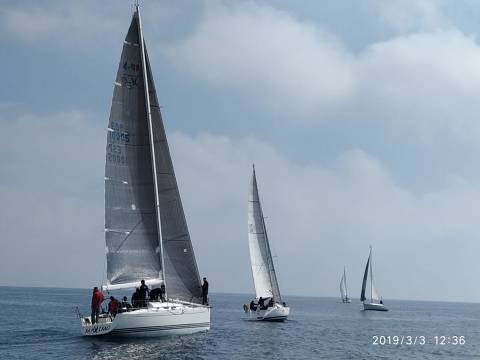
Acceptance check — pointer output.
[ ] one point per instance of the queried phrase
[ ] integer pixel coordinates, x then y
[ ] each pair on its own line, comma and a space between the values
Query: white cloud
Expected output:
319, 217
410, 15
421, 84
71, 25
51, 189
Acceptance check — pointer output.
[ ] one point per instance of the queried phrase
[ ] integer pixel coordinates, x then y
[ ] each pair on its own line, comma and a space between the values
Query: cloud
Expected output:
411, 15
420, 84
319, 217
51, 191
70, 26
322, 217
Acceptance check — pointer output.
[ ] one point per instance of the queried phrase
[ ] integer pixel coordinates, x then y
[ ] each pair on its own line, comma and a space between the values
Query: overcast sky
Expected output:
362, 118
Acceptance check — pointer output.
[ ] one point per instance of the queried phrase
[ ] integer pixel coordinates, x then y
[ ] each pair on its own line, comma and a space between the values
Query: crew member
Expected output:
125, 304
205, 291
144, 293
97, 299
113, 306
136, 298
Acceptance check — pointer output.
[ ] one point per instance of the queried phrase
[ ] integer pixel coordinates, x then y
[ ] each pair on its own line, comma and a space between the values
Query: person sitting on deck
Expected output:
253, 307
270, 302
261, 303
113, 306
136, 298
155, 294
97, 299
125, 305
144, 293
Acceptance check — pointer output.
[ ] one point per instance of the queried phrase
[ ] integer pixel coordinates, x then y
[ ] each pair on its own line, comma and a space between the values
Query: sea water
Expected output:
40, 323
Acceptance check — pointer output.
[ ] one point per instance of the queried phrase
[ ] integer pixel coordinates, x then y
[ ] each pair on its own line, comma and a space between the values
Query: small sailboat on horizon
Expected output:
269, 305
376, 302
146, 232
343, 288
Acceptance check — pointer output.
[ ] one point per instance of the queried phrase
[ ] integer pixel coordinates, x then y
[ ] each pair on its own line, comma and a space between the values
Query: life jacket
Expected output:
97, 299
113, 306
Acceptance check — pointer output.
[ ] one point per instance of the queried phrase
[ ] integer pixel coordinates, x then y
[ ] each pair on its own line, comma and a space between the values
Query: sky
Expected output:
362, 119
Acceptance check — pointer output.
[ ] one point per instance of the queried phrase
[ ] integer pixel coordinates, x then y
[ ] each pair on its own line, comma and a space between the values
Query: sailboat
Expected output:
376, 302
146, 231
343, 288
264, 276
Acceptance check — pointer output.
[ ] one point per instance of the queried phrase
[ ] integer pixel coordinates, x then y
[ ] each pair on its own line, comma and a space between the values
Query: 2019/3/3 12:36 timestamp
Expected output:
418, 340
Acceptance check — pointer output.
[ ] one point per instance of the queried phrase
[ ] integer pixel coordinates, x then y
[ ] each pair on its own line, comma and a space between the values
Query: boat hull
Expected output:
158, 319
276, 313
374, 307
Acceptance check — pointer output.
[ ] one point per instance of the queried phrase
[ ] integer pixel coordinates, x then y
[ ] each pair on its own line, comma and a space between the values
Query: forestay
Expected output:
264, 276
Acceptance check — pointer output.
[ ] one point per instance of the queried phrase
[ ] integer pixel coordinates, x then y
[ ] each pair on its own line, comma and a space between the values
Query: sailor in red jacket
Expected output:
97, 299
113, 306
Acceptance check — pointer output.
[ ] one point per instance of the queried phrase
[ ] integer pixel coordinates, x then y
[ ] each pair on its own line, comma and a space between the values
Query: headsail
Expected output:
373, 293
343, 293
345, 282
343, 286
138, 244
264, 276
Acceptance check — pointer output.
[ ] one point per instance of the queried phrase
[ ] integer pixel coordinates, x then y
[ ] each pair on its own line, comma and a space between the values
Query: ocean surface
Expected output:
40, 323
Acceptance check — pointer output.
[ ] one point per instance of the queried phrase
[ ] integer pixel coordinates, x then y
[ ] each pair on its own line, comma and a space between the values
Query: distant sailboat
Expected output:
146, 231
343, 288
376, 303
264, 276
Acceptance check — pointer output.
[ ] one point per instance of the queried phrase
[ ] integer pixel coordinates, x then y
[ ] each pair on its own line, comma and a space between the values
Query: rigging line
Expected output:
128, 235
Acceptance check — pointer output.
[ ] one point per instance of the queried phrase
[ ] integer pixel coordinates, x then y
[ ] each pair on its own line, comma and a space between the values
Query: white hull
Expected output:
374, 306
347, 301
158, 319
276, 313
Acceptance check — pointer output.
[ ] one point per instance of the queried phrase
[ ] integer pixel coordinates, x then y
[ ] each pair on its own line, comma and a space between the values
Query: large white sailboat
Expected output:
264, 276
343, 288
146, 231
376, 302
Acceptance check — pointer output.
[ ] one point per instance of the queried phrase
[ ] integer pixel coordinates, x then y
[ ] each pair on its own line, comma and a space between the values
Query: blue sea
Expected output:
40, 323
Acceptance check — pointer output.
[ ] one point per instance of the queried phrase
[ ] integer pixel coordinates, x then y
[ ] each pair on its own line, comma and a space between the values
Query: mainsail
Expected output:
145, 227
264, 277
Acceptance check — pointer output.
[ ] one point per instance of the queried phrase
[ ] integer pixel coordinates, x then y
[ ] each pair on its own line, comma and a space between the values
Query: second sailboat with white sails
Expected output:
269, 305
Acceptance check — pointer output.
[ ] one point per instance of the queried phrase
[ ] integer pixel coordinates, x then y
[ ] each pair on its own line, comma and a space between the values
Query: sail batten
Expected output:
263, 270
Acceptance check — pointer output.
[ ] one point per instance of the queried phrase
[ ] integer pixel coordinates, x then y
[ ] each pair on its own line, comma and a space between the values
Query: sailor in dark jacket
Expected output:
205, 291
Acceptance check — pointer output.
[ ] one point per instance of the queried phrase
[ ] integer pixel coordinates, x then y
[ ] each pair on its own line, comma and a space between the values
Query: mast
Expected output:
152, 147
371, 276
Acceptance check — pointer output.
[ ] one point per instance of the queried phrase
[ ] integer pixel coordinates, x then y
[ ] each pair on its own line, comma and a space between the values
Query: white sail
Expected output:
343, 291
264, 276
373, 293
